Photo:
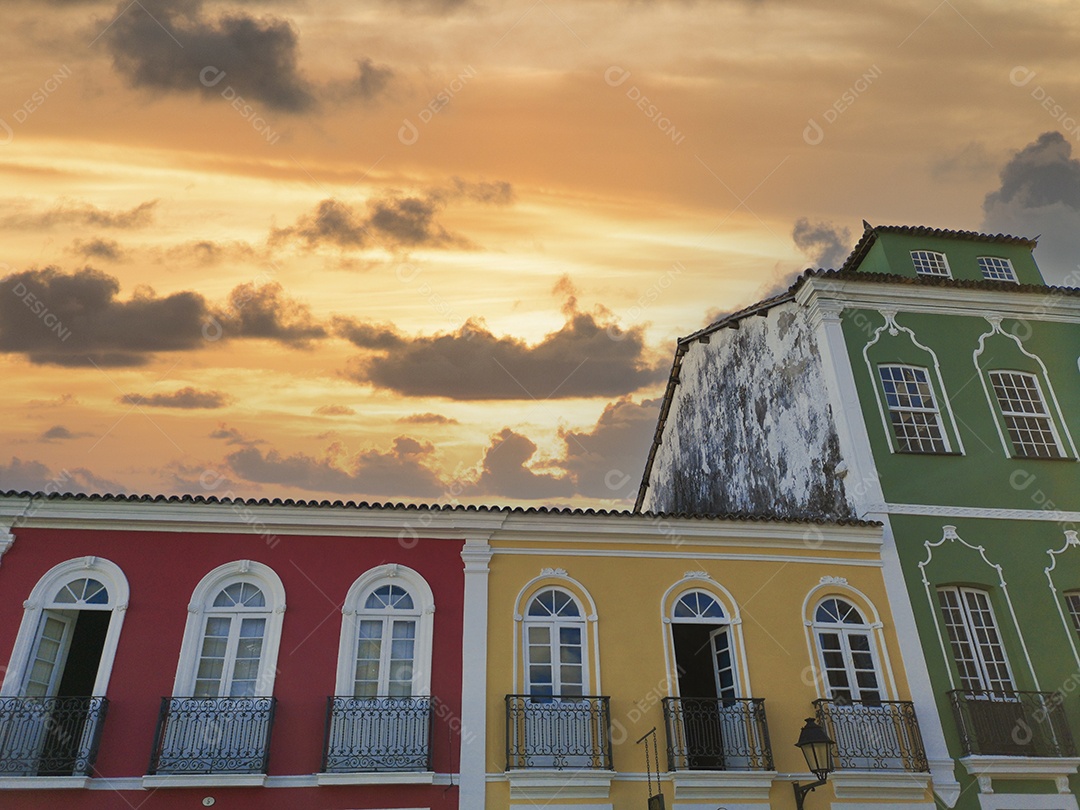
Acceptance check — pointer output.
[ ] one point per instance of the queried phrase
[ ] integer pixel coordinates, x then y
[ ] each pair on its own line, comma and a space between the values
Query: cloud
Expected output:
267, 312
608, 460
826, 244
404, 470
233, 436
60, 433
334, 410
76, 320
389, 222
427, 419
370, 82
972, 161
34, 476
504, 472
98, 248
1039, 193
60, 402
72, 212
187, 398
173, 45
587, 357
392, 221
207, 252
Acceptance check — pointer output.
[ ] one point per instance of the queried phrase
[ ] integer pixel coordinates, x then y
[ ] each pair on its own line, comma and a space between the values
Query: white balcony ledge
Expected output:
43, 782
182, 780
536, 783
988, 768
719, 786
377, 778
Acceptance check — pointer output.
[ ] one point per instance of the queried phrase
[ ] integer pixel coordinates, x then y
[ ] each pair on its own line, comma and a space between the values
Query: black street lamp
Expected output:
817, 748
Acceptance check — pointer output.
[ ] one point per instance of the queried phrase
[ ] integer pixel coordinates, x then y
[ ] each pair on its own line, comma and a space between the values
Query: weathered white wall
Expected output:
750, 428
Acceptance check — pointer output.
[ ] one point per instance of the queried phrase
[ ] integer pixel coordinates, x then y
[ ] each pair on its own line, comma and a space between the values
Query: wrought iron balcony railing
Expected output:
552, 731
1027, 724
55, 736
213, 735
717, 734
879, 736
377, 734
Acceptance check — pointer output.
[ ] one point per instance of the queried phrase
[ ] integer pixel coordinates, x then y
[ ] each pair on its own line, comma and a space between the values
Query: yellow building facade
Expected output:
723, 635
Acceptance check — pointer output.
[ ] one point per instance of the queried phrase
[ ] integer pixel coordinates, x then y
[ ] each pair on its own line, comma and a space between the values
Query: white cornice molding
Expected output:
476, 528
873, 294
7, 540
938, 510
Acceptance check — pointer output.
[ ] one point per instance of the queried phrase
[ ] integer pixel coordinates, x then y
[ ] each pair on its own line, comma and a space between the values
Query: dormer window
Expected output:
997, 269
930, 263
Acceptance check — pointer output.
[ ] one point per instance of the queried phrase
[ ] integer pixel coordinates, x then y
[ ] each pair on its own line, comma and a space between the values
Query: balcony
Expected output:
56, 736
717, 734
213, 736
879, 736
377, 734
1019, 724
556, 732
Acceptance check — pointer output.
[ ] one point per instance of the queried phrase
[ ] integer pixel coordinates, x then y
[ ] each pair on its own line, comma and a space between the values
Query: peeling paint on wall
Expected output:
750, 427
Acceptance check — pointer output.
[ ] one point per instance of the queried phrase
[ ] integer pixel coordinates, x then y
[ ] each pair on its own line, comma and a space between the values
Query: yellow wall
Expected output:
627, 591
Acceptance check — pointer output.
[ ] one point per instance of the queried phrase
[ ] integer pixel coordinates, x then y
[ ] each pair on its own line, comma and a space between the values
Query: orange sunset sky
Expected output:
438, 250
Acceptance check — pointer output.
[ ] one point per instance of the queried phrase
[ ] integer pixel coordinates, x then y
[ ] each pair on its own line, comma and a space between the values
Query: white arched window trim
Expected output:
828, 590
423, 598
559, 579
239, 571
733, 618
106, 572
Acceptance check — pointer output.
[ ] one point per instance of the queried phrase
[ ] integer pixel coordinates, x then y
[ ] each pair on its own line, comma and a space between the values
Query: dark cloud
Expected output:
76, 319
207, 252
608, 460
33, 476
71, 212
370, 82
60, 433
497, 192
391, 222
98, 248
1040, 194
187, 398
405, 470
174, 45
267, 312
334, 410
504, 472
233, 436
427, 419
587, 357
826, 244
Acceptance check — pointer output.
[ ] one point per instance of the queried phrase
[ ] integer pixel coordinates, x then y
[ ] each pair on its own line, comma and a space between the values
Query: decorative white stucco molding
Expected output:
1071, 541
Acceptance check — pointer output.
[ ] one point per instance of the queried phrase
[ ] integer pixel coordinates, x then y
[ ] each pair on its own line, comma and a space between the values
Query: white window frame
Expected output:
929, 258
894, 439
1005, 268
1072, 607
353, 611
729, 628
555, 623
845, 630
41, 600
974, 648
1045, 415
201, 606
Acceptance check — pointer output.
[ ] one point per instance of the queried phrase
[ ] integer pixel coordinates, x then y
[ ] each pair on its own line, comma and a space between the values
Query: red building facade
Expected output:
185, 654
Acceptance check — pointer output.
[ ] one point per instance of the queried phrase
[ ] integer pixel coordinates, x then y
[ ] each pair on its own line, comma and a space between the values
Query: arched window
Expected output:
380, 715
53, 706
231, 640
69, 633
555, 655
704, 647
846, 652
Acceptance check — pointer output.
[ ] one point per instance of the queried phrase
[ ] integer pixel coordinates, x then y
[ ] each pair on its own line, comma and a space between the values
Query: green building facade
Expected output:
931, 383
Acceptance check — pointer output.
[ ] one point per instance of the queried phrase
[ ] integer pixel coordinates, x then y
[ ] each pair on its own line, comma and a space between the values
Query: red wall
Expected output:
162, 569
